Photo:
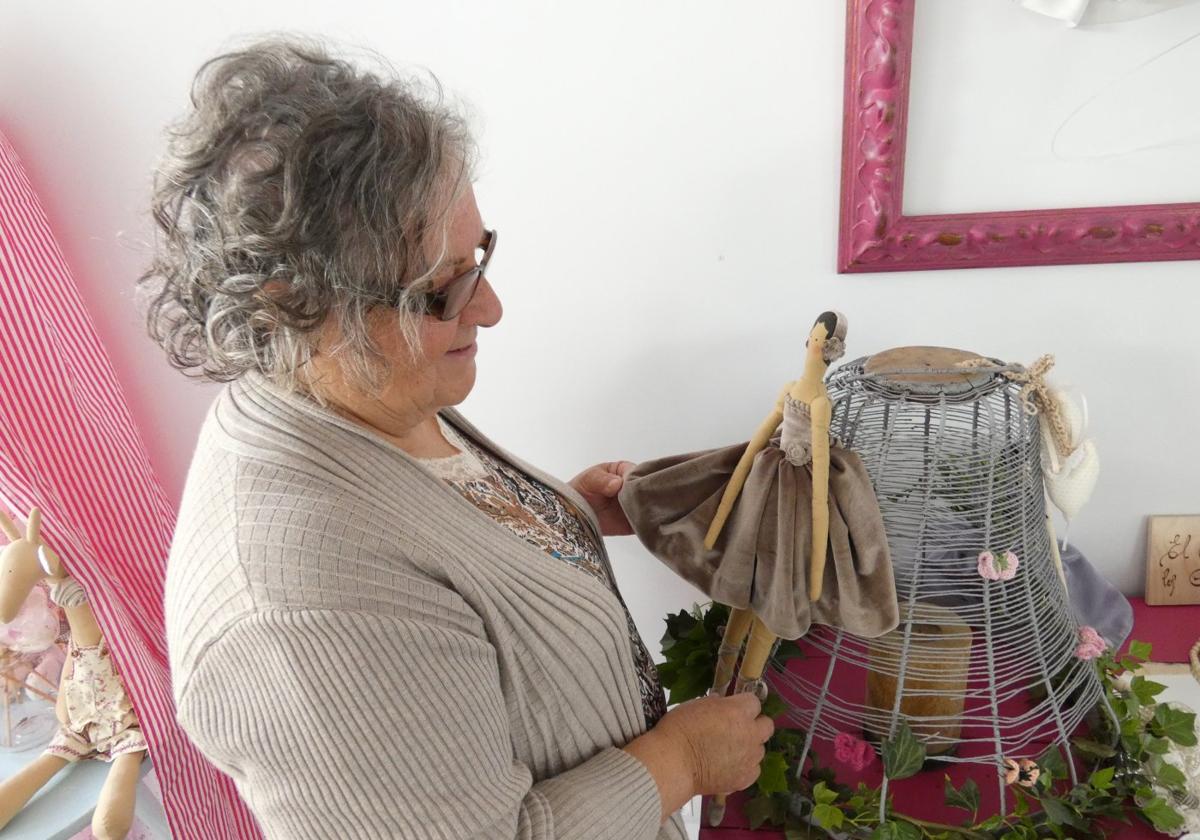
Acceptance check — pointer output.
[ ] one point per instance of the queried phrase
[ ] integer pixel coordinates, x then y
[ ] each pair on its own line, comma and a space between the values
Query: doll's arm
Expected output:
822, 412
734, 487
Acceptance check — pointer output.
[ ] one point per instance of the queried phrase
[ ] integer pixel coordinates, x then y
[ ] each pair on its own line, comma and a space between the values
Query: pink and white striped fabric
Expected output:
68, 445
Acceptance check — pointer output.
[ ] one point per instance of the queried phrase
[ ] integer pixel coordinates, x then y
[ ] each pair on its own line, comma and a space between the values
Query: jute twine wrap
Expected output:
1036, 397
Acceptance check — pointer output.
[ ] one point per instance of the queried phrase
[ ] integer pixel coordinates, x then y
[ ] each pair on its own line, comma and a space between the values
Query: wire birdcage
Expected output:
983, 665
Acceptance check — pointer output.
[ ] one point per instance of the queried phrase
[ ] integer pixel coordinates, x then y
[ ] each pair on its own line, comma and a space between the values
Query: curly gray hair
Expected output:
296, 190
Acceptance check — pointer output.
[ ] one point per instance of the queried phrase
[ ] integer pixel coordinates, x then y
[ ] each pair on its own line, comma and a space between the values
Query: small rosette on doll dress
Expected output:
761, 559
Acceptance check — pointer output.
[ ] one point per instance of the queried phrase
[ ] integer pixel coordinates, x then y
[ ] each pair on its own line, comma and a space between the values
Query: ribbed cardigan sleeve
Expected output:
293, 704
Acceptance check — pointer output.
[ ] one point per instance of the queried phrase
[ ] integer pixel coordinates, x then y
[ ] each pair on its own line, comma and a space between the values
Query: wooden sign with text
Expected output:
1173, 560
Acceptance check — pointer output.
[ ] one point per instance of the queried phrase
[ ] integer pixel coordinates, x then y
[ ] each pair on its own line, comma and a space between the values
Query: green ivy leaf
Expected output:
772, 774
896, 830
1146, 690
828, 816
1162, 816
787, 741
763, 809
1156, 746
714, 619
1177, 725
903, 754
822, 795
1132, 744
1140, 650
1094, 749
1059, 812
966, 797
1102, 779
687, 685
773, 706
1053, 765
1131, 726
1168, 775
677, 627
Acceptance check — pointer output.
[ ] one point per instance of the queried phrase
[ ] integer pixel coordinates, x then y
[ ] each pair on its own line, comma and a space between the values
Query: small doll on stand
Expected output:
754, 525
96, 717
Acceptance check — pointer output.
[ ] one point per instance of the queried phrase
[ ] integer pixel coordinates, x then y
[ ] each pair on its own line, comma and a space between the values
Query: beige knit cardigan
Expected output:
368, 655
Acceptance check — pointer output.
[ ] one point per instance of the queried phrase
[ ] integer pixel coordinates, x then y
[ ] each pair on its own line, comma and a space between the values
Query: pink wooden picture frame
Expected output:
875, 235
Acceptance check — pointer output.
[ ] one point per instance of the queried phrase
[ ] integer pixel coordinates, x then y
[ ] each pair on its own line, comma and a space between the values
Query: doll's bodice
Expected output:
795, 437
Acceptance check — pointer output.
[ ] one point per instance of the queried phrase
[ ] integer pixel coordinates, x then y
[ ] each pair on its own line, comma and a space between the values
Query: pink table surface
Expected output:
1171, 630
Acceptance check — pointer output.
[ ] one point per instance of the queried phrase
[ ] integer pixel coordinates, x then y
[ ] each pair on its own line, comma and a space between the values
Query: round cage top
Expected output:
924, 373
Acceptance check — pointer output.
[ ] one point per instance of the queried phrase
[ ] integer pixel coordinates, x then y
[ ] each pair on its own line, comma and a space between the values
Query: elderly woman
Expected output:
380, 623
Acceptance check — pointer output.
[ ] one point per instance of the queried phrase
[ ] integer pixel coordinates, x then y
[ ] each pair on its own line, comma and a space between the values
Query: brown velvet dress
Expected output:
760, 560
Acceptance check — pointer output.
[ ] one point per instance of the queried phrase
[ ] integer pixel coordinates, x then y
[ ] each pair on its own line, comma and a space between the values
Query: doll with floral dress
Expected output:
96, 717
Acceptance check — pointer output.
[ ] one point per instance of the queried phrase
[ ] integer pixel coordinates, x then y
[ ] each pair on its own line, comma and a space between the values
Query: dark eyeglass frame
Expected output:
448, 302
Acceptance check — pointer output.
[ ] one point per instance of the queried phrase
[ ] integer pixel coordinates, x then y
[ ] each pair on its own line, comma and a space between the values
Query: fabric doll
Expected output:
96, 717
755, 524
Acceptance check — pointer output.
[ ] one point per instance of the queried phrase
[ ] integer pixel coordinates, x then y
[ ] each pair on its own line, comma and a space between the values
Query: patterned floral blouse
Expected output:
547, 520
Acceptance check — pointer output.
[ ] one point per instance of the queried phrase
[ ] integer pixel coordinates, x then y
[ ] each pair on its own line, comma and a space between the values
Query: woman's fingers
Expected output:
750, 704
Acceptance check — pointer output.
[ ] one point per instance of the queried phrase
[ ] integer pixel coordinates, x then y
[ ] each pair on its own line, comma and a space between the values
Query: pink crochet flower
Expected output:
1002, 568
1091, 644
856, 753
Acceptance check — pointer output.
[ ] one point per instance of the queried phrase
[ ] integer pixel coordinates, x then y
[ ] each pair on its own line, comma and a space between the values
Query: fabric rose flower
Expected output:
855, 752
1024, 772
1091, 644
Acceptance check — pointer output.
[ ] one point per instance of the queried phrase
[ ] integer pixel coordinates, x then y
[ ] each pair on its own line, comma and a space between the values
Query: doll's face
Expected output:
21, 565
19, 572
816, 340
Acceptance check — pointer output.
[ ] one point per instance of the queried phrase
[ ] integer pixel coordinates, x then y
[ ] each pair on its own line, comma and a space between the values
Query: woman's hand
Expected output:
705, 746
599, 486
725, 738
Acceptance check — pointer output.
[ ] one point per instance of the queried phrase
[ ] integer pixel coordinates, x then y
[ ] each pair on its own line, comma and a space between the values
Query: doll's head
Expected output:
23, 562
829, 331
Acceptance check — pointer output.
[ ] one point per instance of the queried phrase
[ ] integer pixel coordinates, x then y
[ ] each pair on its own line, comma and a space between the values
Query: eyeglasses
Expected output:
448, 302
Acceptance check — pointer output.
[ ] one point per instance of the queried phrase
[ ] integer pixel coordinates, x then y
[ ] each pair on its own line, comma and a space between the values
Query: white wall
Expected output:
666, 179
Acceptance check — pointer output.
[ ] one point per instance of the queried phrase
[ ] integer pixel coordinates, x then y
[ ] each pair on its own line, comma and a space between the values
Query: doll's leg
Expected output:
736, 630
18, 789
114, 809
754, 662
